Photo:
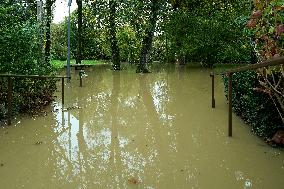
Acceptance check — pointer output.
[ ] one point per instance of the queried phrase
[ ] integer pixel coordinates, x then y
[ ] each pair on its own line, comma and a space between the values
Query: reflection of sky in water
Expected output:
67, 141
161, 99
247, 183
130, 102
98, 137
105, 146
123, 142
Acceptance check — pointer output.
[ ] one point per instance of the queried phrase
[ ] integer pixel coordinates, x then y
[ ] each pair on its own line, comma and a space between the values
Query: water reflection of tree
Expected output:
83, 151
73, 156
115, 155
148, 101
98, 155
162, 142
173, 100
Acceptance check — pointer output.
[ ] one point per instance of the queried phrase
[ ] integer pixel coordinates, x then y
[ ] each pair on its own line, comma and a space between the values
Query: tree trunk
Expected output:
79, 34
148, 39
114, 46
48, 8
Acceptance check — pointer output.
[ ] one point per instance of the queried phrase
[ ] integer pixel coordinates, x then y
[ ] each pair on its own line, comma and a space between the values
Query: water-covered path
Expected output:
127, 130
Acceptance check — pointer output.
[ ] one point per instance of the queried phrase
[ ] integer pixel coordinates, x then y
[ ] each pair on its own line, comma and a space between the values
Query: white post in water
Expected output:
68, 56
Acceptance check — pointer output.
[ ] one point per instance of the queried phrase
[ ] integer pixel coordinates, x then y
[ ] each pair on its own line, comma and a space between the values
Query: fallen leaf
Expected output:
133, 180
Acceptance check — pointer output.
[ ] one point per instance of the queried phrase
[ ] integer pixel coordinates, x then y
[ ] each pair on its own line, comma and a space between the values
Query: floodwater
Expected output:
128, 130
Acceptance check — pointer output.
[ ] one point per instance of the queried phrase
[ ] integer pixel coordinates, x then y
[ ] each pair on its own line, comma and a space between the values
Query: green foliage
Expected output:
255, 108
18, 55
128, 44
266, 24
204, 31
94, 39
59, 42
208, 35
59, 64
16, 50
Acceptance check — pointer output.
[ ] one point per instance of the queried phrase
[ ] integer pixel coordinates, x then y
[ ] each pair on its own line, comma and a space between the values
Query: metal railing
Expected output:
229, 73
10, 88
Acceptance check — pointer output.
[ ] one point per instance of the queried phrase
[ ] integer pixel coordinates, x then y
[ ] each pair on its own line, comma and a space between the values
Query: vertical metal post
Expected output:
68, 55
62, 92
10, 96
213, 89
230, 91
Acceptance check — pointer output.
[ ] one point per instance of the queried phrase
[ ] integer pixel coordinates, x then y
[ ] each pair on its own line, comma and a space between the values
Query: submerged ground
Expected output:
128, 130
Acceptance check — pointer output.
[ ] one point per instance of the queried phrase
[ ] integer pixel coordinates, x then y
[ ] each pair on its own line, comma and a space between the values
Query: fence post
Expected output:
10, 97
213, 90
230, 91
81, 72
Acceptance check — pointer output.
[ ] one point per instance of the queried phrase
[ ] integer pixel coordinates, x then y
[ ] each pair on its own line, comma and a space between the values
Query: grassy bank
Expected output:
59, 64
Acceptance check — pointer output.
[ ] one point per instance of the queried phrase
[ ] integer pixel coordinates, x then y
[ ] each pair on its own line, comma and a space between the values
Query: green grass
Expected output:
59, 64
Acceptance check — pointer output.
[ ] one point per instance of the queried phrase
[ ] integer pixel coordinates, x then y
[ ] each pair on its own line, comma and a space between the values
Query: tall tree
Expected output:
48, 8
112, 28
79, 33
148, 38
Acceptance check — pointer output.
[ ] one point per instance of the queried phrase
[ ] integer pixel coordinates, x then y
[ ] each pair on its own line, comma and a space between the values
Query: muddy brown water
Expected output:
128, 130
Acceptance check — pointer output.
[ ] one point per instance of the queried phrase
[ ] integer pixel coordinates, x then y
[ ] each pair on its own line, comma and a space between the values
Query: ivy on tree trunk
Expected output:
148, 38
114, 46
79, 34
48, 8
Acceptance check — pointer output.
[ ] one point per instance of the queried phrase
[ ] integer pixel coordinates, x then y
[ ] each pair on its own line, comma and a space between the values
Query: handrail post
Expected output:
230, 92
10, 97
213, 90
62, 91
81, 72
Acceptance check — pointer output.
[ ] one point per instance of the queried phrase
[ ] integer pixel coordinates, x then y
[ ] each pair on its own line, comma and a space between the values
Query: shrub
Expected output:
266, 25
255, 108
18, 55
